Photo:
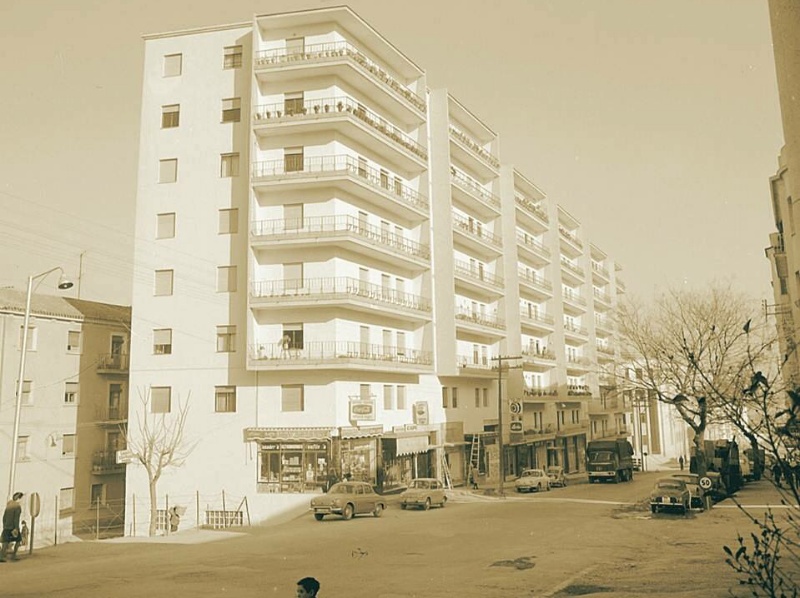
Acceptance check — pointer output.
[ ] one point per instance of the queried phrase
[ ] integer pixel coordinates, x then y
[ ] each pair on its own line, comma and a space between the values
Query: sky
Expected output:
654, 122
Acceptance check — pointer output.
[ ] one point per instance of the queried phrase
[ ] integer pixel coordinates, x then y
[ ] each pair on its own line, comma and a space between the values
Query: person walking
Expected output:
174, 519
777, 470
11, 534
308, 587
681, 462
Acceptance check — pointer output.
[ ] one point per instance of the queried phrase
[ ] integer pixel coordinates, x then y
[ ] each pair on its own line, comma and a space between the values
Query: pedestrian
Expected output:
174, 519
777, 470
308, 587
473, 477
11, 533
681, 461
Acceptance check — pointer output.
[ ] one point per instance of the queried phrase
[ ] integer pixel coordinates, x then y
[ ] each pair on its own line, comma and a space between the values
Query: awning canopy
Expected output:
287, 434
361, 432
411, 445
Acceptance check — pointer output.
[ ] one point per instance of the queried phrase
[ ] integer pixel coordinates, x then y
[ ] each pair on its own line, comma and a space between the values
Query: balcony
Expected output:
105, 463
477, 278
603, 325
473, 235
469, 151
481, 321
535, 320
343, 60
537, 284
573, 245
579, 363
545, 432
315, 355
346, 230
345, 172
111, 414
533, 210
603, 298
621, 288
575, 331
605, 350
474, 365
339, 113
532, 249
471, 193
599, 271
574, 303
571, 428
342, 290
573, 272
542, 359
578, 390
113, 363
528, 394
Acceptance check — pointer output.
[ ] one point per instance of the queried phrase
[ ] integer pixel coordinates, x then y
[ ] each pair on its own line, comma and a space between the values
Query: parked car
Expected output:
532, 479
693, 483
422, 493
348, 499
556, 475
670, 493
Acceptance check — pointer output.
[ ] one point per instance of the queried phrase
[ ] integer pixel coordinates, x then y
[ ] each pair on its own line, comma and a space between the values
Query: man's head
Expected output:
17, 495
307, 587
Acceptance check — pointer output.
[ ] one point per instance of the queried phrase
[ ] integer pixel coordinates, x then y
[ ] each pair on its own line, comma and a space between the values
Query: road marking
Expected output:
757, 506
585, 501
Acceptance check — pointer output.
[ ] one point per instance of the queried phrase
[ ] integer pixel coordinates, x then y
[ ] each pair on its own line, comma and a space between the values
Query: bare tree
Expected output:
158, 443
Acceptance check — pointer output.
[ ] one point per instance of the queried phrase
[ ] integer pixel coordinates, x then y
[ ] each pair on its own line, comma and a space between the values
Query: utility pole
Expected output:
501, 465
80, 272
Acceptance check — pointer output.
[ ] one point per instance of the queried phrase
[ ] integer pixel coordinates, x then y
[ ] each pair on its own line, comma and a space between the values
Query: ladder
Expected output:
475, 454
448, 481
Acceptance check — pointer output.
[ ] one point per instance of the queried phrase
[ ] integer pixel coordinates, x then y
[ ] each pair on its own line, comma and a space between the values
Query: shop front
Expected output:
405, 455
569, 452
357, 453
292, 460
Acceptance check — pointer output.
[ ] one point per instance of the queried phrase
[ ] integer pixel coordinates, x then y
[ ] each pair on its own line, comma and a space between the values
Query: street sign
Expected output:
35, 504
515, 426
516, 408
705, 483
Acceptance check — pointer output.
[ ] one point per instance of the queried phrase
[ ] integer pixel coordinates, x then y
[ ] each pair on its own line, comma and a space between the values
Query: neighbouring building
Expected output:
73, 413
337, 257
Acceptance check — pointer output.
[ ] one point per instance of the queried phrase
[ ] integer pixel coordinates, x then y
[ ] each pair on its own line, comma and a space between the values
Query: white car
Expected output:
532, 479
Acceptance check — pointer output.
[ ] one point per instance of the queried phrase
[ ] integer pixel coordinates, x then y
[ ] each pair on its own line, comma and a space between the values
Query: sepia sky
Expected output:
654, 122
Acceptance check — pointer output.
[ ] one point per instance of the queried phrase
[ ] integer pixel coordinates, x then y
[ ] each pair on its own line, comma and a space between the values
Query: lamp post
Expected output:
501, 465
63, 284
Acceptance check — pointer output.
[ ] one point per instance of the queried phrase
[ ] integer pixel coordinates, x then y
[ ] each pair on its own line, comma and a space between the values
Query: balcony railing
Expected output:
539, 353
333, 351
111, 413
535, 280
578, 390
339, 286
466, 315
332, 107
476, 148
621, 286
601, 296
465, 269
570, 236
337, 226
603, 324
531, 207
471, 361
575, 329
113, 362
605, 349
600, 269
535, 245
578, 360
572, 267
332, 51
543, 431
476, 229
106, 462
472, 186
540, 391
574, 298
536, 316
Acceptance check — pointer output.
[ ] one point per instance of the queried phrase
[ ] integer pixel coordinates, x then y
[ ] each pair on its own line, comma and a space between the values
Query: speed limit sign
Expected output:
515, 407
705, 483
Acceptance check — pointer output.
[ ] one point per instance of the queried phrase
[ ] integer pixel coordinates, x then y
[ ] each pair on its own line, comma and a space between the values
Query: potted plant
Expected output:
316, 108
340, 105
327, 107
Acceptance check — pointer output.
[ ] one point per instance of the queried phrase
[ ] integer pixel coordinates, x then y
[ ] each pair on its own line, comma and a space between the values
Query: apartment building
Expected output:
330, 258
73, 414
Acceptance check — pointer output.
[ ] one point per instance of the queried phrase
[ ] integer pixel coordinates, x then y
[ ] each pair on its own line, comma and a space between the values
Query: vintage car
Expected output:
693, 483
532, 479
556, 475
348, 499
422, 493
670, 494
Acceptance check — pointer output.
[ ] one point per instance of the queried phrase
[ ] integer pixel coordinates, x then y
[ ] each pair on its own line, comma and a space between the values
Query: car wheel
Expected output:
653, 508
564, 484
403, 506
348, 512
444, 501
616, 478
378, 510
319, 516
519, 490
427, 504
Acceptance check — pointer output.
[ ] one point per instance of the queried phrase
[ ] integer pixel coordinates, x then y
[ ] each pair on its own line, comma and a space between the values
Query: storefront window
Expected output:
294, 466
359, 460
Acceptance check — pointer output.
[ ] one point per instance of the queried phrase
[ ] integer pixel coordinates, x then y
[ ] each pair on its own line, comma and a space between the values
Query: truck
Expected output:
721, 457
609, 460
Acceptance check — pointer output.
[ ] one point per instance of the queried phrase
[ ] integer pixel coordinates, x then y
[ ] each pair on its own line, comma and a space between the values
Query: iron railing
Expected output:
470, 361
473, 187
541, 391
462, 268
531, 207
575, 329
535, 353
336, 351
528, 241
106, 462
532, 315
112, 413
572, 267
535, 280
113, 362
574, 298
475, 148
602, 271
467, 315
570, 236
578, 390
476, 229
601, 296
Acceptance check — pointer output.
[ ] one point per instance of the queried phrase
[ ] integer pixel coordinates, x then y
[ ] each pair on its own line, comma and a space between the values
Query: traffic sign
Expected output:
705, 483
515, 407
515, 426
35, 505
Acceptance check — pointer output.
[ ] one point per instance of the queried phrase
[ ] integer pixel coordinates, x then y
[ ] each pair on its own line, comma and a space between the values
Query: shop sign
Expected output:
362, 410
287, 434
515, 426
421, 413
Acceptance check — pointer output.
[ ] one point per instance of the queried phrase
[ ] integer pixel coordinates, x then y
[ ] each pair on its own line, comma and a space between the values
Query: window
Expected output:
293, 159
66, 499
32, 337
170, 116
229, 165
71, 393
22, 448
226, 279
455, 398
292, 336
168, 170
388, 398
225, 399
228, 221
74, 341
292, 397
295, 45
226, 339
163, 283
445, 397
401, 397
27, 392
293, 103
231, 110
477, 397
165, 226
173, 65
162, 341
160, 399
98, 496
485, 397
232, 57
68, 445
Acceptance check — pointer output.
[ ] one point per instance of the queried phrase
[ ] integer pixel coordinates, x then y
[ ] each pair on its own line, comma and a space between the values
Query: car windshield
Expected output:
421, 484
341, 489
670, 485
601, 457
531, 473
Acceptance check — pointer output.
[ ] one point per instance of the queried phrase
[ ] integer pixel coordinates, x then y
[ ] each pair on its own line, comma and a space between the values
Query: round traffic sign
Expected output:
705, 483
515, 407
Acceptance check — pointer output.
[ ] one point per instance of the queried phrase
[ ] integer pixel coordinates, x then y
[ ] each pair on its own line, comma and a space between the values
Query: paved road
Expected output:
582, 539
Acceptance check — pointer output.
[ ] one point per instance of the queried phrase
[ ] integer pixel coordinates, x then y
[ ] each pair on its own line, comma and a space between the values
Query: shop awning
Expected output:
411, 445
287, 434
361, 432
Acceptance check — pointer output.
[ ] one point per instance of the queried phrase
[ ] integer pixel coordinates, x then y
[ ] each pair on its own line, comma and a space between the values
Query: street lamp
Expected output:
63, 284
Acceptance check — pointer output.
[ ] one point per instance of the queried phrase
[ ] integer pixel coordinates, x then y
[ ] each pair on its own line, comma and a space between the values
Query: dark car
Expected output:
670, 494
348, 499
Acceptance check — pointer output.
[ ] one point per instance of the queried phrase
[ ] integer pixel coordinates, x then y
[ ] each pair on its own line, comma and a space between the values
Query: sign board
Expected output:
705, 483
35, 504
362, 410
421, 413
125, 456
515, 426
516, 408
